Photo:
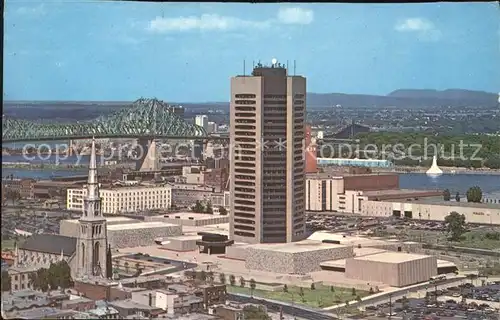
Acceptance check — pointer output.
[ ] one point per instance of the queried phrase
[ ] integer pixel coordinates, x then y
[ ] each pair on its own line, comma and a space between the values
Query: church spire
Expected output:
92, 183
92, 202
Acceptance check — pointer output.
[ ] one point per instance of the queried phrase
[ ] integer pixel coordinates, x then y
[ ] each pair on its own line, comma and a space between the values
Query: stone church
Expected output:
86, 254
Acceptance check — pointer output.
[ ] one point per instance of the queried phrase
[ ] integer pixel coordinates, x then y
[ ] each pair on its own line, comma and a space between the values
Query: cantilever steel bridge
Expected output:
145, 118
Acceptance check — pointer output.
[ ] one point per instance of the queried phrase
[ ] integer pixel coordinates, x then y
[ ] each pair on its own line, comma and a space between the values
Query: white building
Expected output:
202, 121
124, 199
325, 193
212, 127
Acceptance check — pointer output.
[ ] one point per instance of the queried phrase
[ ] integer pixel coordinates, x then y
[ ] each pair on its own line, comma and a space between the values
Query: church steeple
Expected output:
92, 238
92, 202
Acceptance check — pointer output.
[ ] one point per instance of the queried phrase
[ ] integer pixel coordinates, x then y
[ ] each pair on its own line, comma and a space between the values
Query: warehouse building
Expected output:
433, 209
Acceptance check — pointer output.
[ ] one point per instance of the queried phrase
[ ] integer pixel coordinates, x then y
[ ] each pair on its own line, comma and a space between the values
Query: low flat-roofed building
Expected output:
192, 219
393, 268
47, 313
434, 209
180, 243
127, 233
140, 234
293, 258
360, 242
129, 307
69, 227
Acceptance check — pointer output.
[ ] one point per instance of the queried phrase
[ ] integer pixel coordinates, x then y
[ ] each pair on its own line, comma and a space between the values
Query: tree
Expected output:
39, 280
222, 211
313, 287
6, 284
190, 274
208, 208
446, 195
202, 275
222, 278
285, 288
457, 197
242, 282
232, 280
455, 225
253, 284
474, 194
198, 207
255, 313
301, 294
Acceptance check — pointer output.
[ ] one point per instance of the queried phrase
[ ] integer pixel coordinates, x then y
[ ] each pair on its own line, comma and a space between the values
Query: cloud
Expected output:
205, 22
423, 28
38, 10
295, 16
215, 22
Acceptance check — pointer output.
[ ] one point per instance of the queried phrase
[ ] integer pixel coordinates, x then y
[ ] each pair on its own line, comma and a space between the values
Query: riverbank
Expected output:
446, 170
43, 166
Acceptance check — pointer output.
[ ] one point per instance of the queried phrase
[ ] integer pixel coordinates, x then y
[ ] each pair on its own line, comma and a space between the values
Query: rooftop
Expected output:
398, 192
296, 247
191, 216
440, 202
130, 304
112, 220
392, 257
142, 225
340, 174
346, 239
50, 243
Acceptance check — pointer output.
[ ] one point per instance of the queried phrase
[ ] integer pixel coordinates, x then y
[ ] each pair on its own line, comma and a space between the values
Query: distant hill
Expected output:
403, 98
407, 98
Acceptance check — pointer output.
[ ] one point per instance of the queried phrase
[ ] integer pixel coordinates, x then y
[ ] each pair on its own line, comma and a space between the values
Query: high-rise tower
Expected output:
267, 159
92, 233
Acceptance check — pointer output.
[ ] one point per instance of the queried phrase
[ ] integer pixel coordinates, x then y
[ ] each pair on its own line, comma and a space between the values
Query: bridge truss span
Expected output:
145, 118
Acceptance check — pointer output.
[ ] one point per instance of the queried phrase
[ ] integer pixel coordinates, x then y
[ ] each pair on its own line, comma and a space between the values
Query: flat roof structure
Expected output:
112, 220
345, 239
297, 247
441, 202
143, 225
189, 215
392, 257
402, 193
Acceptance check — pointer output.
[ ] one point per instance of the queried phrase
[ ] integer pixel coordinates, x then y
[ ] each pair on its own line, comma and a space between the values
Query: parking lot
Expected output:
461, 302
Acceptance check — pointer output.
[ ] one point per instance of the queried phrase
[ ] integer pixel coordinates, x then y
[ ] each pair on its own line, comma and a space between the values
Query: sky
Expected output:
187, 52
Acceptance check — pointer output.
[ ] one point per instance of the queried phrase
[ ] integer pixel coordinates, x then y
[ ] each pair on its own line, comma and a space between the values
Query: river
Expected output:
453, 182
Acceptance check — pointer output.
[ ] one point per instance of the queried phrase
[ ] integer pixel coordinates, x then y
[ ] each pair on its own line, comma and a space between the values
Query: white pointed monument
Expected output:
434, 170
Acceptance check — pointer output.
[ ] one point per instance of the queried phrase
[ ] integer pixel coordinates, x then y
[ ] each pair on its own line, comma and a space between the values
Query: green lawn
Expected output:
319, 298
477, 239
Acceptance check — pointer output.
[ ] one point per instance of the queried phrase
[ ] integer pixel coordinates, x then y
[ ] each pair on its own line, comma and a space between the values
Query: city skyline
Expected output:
112, 51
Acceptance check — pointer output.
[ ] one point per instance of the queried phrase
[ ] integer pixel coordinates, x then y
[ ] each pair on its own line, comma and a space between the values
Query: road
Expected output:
384, 297
288, 309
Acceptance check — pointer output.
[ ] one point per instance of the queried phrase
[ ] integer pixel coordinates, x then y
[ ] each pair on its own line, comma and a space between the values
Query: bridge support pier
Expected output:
148, 160
71, 145
198, 149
